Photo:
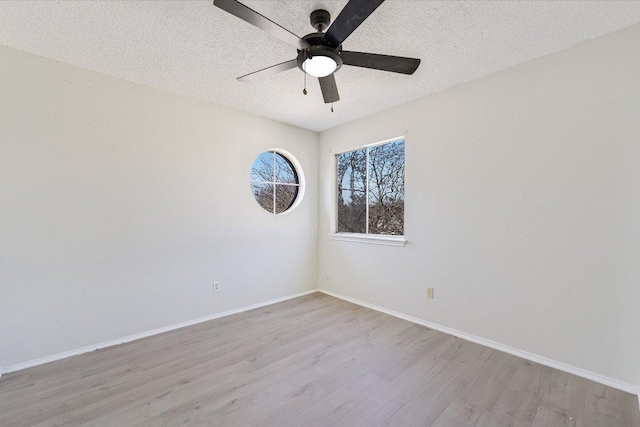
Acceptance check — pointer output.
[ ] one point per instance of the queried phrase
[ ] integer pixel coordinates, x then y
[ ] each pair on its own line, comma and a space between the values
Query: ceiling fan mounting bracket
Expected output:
320, 20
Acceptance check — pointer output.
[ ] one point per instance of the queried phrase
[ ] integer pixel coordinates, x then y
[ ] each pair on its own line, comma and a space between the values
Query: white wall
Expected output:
522, 208
120, 204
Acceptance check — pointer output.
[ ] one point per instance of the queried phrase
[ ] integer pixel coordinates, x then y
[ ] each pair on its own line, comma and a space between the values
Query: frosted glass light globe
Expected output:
319, 66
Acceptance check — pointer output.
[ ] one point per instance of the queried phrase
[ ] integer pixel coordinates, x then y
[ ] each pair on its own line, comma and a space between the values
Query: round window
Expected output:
276, 181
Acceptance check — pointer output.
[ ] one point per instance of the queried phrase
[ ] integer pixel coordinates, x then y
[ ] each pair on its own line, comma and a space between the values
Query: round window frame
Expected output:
297, 169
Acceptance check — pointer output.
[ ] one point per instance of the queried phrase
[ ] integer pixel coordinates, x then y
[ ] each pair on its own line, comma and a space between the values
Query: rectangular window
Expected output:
371, 189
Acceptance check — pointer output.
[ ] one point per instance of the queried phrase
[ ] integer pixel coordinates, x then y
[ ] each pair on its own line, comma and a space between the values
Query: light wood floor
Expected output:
310, 361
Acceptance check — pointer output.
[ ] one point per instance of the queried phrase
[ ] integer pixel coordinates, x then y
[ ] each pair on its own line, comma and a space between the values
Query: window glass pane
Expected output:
352, 212
276, 194
262, 169
386, 188
285, 196
284, 170
263, 193
352, 185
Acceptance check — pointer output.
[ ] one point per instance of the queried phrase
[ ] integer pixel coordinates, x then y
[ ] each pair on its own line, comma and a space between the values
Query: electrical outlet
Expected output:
430, 293
216, 286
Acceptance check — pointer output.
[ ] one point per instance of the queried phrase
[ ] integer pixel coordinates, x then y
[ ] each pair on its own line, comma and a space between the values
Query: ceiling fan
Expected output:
320, 54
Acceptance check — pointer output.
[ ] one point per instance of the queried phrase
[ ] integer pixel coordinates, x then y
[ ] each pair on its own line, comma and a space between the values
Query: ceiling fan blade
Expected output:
329, 89
395, 64
254, 18
268, 72
353, 14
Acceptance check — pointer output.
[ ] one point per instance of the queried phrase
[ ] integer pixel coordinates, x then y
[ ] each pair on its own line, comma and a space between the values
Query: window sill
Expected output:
375, 239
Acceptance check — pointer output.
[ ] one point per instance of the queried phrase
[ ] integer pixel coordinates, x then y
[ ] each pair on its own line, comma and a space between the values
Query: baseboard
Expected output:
87, 349
629, 388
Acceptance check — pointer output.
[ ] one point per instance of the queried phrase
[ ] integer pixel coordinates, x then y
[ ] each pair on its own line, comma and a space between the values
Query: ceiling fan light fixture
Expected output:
319, 61
319, 66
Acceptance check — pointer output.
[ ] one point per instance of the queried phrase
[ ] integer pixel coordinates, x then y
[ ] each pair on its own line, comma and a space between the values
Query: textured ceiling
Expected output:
196, 49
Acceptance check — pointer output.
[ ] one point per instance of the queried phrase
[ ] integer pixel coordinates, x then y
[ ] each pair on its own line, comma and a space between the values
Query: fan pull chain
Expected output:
304, 91
332, 107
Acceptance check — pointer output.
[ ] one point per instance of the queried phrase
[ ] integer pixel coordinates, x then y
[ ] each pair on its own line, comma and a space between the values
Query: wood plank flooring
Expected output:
310, 361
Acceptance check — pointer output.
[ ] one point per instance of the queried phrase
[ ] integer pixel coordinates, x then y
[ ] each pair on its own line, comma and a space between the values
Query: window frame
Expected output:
379, 239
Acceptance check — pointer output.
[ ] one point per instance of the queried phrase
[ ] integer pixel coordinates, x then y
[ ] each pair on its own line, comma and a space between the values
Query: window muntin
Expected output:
274, 182
370, 193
